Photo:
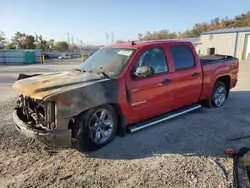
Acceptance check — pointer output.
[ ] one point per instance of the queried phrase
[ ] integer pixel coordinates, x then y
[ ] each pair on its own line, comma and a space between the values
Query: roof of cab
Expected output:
139, 44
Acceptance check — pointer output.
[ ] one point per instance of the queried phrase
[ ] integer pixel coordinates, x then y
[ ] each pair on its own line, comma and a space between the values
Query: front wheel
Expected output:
218, 96
97, 127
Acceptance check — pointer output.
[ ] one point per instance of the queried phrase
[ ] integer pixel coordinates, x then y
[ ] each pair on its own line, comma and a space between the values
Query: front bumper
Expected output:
54, 138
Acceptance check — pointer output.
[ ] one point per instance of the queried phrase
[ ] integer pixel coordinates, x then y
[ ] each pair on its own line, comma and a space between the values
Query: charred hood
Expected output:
41, 86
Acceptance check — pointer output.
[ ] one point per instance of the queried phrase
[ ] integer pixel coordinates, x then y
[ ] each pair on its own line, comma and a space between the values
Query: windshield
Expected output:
109, 60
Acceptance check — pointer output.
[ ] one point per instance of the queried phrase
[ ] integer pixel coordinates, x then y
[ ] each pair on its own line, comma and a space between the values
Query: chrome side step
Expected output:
156, 120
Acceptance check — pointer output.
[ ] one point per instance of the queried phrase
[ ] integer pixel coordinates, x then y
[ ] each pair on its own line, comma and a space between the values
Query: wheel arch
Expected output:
121, 118
226, 79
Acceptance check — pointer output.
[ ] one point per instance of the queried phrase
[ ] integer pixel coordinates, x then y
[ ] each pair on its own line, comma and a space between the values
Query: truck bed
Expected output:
216, 58
216, 64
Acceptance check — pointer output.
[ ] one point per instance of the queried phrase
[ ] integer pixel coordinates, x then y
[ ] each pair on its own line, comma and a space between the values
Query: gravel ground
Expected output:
184, 152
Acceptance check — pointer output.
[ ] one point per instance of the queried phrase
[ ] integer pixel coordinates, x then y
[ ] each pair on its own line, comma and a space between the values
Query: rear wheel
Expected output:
96, 128
220, 93
218, 96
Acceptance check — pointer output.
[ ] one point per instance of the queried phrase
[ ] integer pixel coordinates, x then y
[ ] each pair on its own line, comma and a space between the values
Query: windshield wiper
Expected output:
99, 72
81, 70
104, 74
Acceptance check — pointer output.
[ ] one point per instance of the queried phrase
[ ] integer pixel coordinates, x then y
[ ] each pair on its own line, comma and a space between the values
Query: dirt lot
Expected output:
185, 152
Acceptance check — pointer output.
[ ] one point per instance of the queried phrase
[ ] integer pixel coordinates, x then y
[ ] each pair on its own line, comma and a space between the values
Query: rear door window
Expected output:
182, 56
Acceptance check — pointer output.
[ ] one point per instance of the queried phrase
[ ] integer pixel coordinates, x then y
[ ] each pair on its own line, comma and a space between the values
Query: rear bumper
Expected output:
235, 83
53, 138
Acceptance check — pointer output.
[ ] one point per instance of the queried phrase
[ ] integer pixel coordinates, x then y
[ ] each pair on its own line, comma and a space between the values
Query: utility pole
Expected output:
107, 38
112, 37
68, 38
77, 41
80, 49
72, 39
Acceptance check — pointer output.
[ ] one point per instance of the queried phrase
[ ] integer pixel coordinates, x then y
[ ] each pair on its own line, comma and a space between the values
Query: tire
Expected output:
87, 134
218, 97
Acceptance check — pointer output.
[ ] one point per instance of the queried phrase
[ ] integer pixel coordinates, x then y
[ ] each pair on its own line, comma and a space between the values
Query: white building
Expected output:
234, 42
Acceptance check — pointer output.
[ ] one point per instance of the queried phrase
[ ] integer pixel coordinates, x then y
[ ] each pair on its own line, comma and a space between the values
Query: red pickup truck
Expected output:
122, 87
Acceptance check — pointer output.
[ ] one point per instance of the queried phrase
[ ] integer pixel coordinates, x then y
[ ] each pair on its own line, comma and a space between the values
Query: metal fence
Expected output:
85, 52
17, 57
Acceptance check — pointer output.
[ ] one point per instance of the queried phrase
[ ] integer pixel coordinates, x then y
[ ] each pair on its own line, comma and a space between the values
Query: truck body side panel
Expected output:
212, 72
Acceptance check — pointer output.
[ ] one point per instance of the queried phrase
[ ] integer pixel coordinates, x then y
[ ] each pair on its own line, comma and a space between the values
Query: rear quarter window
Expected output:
182, 56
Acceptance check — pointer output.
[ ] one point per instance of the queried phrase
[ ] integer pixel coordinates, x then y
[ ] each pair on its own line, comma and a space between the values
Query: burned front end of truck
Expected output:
49, 104
36, 119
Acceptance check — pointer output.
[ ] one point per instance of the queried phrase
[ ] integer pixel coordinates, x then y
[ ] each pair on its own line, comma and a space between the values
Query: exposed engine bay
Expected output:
36, 113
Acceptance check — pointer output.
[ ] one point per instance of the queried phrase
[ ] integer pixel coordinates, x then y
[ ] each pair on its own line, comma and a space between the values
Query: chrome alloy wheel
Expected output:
219, 96
101, 126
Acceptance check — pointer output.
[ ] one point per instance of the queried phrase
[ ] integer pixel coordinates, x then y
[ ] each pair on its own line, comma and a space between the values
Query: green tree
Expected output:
10, 46
2, 40
73, 48
196, 31
61, 46
242, 20
29, 42
41, 43
2, 37
157, 35
23, 41
51, 44
18, 40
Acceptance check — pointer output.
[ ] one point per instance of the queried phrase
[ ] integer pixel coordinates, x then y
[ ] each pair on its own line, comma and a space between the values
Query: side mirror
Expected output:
144, 71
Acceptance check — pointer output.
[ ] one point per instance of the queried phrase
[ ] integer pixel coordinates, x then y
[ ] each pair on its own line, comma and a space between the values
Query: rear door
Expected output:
151, 96
188, 73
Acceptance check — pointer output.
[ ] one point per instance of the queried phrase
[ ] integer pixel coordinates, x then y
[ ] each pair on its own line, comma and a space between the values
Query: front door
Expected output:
151, 96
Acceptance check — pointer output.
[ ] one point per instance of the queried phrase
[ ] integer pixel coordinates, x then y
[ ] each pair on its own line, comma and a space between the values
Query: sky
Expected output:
89, 20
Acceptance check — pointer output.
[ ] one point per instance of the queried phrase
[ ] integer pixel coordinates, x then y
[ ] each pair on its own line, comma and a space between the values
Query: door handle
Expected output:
196, 74
166, 81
